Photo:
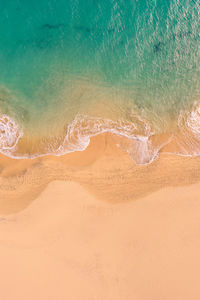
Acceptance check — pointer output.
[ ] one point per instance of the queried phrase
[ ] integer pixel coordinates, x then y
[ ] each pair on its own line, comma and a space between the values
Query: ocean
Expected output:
71, 69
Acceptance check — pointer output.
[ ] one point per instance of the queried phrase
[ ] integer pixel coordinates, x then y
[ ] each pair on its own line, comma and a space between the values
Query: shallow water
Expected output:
74, 69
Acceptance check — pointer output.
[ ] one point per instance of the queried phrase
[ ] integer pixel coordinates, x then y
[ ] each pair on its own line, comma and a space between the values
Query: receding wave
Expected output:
136, 137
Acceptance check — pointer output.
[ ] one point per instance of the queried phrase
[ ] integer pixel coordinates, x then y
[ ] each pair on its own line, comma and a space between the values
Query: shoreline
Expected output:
141, 137
105, 170
97, 221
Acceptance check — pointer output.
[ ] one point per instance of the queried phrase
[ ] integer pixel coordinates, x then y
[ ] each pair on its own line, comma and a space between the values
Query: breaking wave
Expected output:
83, 128
10, 133
136, 137
188, 141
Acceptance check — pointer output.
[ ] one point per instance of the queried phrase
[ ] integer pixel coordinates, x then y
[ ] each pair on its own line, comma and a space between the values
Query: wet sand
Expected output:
93, 225
105, 170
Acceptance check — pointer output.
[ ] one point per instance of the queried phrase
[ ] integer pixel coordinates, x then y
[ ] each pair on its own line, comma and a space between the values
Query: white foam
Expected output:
189, 124
84, 127
136, 136
10, 133
193, 121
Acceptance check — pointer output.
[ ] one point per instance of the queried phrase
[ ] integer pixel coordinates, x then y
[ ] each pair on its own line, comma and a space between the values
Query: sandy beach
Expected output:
69, 245
99, 150
93, 225
103, 169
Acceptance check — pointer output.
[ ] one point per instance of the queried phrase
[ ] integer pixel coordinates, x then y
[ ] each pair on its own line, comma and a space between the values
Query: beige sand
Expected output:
94, 226
69, 245
103, 169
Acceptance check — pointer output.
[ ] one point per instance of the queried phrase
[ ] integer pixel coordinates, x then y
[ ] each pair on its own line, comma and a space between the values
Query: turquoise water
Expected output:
73, 69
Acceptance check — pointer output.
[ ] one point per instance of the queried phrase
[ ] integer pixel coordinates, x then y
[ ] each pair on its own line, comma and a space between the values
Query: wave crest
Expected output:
137, 135
189, 125
10, 133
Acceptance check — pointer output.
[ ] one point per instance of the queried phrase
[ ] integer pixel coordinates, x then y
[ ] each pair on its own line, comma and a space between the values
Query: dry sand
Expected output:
94, 226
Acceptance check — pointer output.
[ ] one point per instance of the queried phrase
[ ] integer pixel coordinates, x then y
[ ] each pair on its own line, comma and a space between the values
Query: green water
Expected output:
59, 59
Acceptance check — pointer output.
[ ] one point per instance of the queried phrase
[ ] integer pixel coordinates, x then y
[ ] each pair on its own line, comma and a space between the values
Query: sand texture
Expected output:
103, 169
69, 245
94, 226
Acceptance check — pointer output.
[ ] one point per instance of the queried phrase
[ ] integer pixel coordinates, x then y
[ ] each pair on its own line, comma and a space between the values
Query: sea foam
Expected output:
188, 141
137, 137
138, 133
10, 133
